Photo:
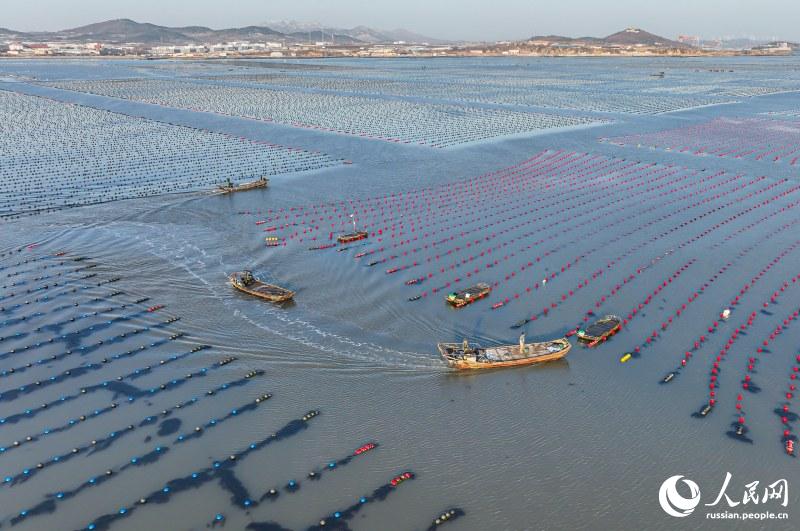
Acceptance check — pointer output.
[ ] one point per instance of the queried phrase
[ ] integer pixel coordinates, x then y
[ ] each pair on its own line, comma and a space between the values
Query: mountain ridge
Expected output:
626, 37
124, 30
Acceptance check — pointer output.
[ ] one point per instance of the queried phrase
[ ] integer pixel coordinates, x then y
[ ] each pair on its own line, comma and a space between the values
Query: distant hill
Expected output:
626, 37
126, 30
129, 31
122, 30
360, 33
635, 36
323, 36
10, 35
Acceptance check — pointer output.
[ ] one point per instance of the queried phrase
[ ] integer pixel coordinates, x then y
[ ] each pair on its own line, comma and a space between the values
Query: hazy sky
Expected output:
453, 19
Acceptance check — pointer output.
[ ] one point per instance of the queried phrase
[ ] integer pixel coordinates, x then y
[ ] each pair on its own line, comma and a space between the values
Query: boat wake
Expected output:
321, 347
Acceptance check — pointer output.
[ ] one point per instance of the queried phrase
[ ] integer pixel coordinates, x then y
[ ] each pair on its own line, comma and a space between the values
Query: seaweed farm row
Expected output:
97, 383
428, 124
500, 92
794, 113
578, 85
760, 139
565, 230
55, 155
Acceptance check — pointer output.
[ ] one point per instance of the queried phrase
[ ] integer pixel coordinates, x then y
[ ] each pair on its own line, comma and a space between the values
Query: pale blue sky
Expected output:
453, 19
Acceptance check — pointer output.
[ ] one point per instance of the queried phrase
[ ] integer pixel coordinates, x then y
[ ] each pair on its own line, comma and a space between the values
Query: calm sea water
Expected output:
580, 444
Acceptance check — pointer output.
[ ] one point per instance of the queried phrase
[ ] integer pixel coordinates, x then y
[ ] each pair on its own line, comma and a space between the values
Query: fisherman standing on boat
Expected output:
465, 345
522, 343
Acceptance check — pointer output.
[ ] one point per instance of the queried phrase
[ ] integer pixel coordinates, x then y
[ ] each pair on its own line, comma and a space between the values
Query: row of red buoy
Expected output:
632, 249
626, 217
737, 299
622, 237
446, 195
592, 221
787, 437
751, 362
735, 335
522, 205
757, 138
712, 328
443, 208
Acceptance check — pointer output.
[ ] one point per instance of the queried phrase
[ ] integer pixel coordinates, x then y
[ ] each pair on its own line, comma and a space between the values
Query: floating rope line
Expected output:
713, 228
81, 370
787, 416
88, 156
739, 331
74, 319
72, 422
219, 470
88, 349
739, 429
43, 287
317, 473
88, 331
655, 335
338, 519
40, 278
115, 386
428, 124
72, 291
134, 462
49, 505
757, 139
104, 443
447, 516
58, 309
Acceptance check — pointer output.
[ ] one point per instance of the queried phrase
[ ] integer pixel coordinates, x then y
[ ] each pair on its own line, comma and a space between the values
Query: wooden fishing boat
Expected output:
229, 187
600, 330
469, 295
467, 356
353, 236
245, 281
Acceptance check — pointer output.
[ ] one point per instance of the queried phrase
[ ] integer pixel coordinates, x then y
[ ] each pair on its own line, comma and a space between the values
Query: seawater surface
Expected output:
583, 443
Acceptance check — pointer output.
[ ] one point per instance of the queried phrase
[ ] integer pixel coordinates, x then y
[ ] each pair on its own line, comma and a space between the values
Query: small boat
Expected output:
229, 187
352, 236
461, 298
465, 356
273, 241
246, 282
600, 330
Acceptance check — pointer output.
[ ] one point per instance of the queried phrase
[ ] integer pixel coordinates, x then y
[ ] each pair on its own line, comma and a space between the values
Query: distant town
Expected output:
127, 38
